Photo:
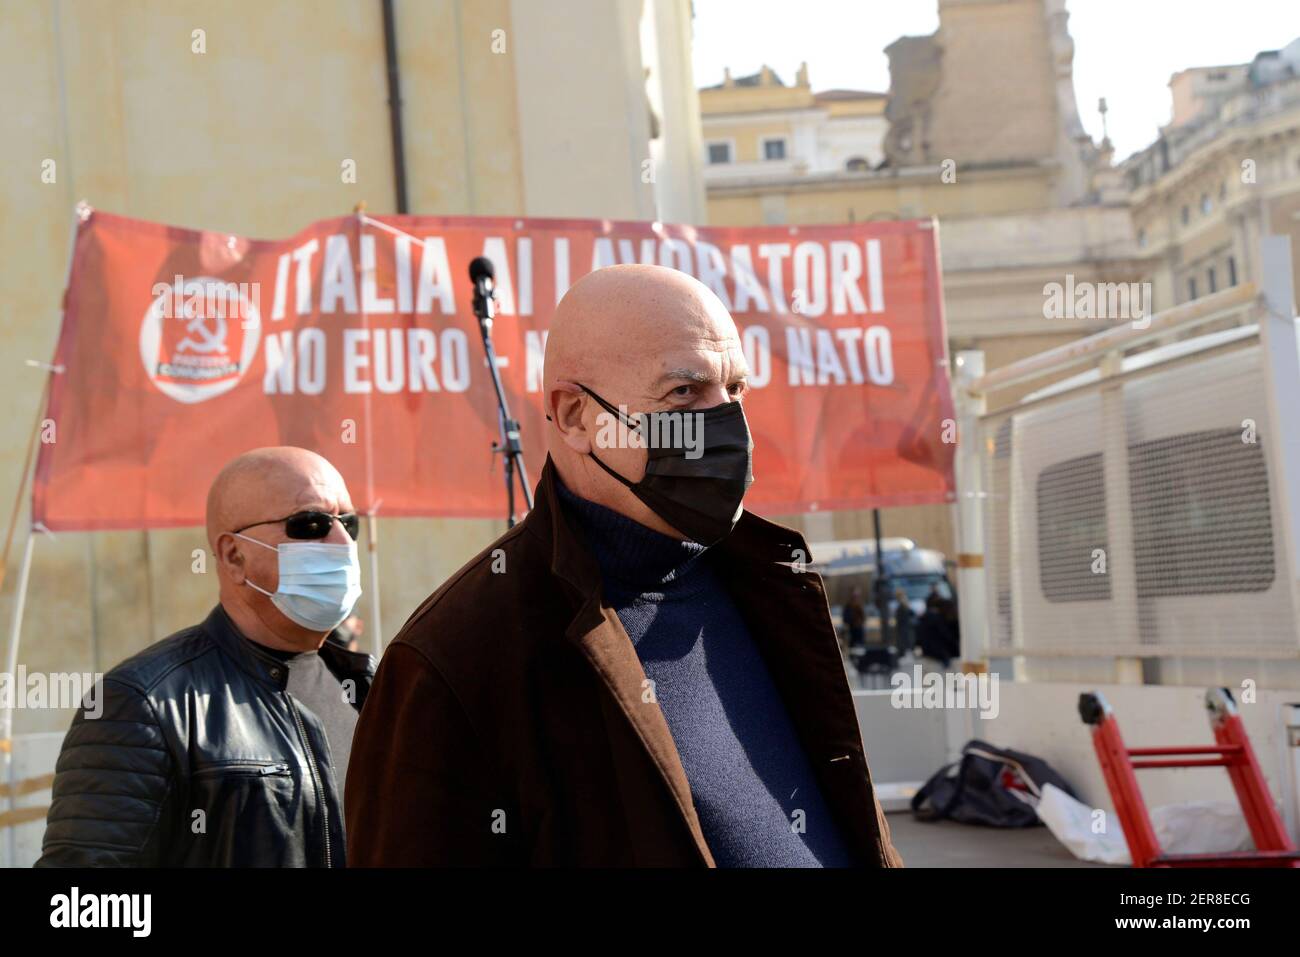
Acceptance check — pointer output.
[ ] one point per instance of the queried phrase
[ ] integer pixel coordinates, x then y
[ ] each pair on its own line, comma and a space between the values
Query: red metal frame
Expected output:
1273, 847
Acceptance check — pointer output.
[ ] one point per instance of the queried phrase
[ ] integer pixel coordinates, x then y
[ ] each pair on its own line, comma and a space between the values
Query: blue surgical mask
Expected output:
320, 582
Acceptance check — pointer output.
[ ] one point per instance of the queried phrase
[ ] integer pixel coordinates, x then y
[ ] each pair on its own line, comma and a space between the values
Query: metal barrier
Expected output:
1147, 505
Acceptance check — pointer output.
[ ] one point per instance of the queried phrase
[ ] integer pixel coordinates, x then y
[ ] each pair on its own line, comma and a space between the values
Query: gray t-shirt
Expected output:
314, 685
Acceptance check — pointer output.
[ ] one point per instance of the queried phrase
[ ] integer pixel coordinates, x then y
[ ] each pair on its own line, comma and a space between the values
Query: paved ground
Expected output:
948, 844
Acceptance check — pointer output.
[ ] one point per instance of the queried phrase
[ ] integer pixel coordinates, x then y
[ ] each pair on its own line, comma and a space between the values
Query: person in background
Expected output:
904, 622
226, 744
855, 619
349, 632
933, 638
948, 610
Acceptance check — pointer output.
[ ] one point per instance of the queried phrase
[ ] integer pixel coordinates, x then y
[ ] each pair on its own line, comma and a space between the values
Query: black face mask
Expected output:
700, 497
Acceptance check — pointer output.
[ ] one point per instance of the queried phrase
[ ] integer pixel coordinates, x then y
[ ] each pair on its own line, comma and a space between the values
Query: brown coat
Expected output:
507, 726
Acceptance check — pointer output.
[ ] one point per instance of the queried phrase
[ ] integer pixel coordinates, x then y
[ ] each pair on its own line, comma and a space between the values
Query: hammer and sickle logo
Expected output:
206, 338
201, 365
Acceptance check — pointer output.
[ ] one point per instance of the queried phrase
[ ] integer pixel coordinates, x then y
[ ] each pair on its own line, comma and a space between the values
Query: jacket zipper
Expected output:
315, 778
260, 768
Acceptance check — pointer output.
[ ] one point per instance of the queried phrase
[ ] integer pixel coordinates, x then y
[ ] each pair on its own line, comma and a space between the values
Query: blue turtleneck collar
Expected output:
632, 557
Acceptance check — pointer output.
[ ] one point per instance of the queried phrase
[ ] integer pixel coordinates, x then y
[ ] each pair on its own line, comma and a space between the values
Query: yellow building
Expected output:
1223, 173
980, 129
242, 116
756, 125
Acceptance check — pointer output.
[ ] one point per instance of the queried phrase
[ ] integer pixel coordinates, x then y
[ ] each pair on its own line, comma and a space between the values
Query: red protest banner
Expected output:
355, 338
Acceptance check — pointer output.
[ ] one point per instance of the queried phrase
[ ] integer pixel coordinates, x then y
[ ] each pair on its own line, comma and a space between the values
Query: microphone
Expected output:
483, 275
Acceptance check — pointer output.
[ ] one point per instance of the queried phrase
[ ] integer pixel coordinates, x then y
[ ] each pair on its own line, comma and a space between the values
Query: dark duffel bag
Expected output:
997, 787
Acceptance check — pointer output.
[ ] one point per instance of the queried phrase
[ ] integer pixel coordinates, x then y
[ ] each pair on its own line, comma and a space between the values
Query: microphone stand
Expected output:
485, 310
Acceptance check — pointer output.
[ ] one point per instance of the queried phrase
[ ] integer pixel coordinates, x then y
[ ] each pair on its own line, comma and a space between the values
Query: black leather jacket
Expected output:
201, 758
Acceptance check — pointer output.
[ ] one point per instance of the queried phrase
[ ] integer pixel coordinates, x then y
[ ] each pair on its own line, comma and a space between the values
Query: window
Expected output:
1186, 216
774, 149
1191, 287
1071, 525
917, 587
1142, 239
1202, 522
1205, 204
1232, 271
1214, 286
719, 153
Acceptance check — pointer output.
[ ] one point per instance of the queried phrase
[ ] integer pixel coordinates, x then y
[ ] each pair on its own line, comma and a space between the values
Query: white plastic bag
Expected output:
1201, 827
1072, 823
1194, 827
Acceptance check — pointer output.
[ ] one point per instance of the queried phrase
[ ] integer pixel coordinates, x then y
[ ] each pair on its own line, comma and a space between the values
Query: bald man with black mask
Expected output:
641, 672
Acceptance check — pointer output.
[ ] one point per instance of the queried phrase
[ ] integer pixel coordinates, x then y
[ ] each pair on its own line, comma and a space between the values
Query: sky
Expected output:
1124, 50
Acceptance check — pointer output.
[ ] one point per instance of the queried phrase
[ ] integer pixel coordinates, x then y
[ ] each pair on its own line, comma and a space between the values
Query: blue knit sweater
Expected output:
758, 802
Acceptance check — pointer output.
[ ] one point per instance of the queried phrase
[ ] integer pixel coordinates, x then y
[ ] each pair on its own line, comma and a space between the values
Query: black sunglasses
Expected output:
313, 525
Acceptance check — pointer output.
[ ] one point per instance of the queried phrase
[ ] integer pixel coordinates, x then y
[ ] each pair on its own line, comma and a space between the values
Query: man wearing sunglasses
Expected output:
227, 744
641, 672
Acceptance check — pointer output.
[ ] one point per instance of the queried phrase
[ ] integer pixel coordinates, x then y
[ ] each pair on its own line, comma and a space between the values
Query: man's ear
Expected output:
566, 402
230, 556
